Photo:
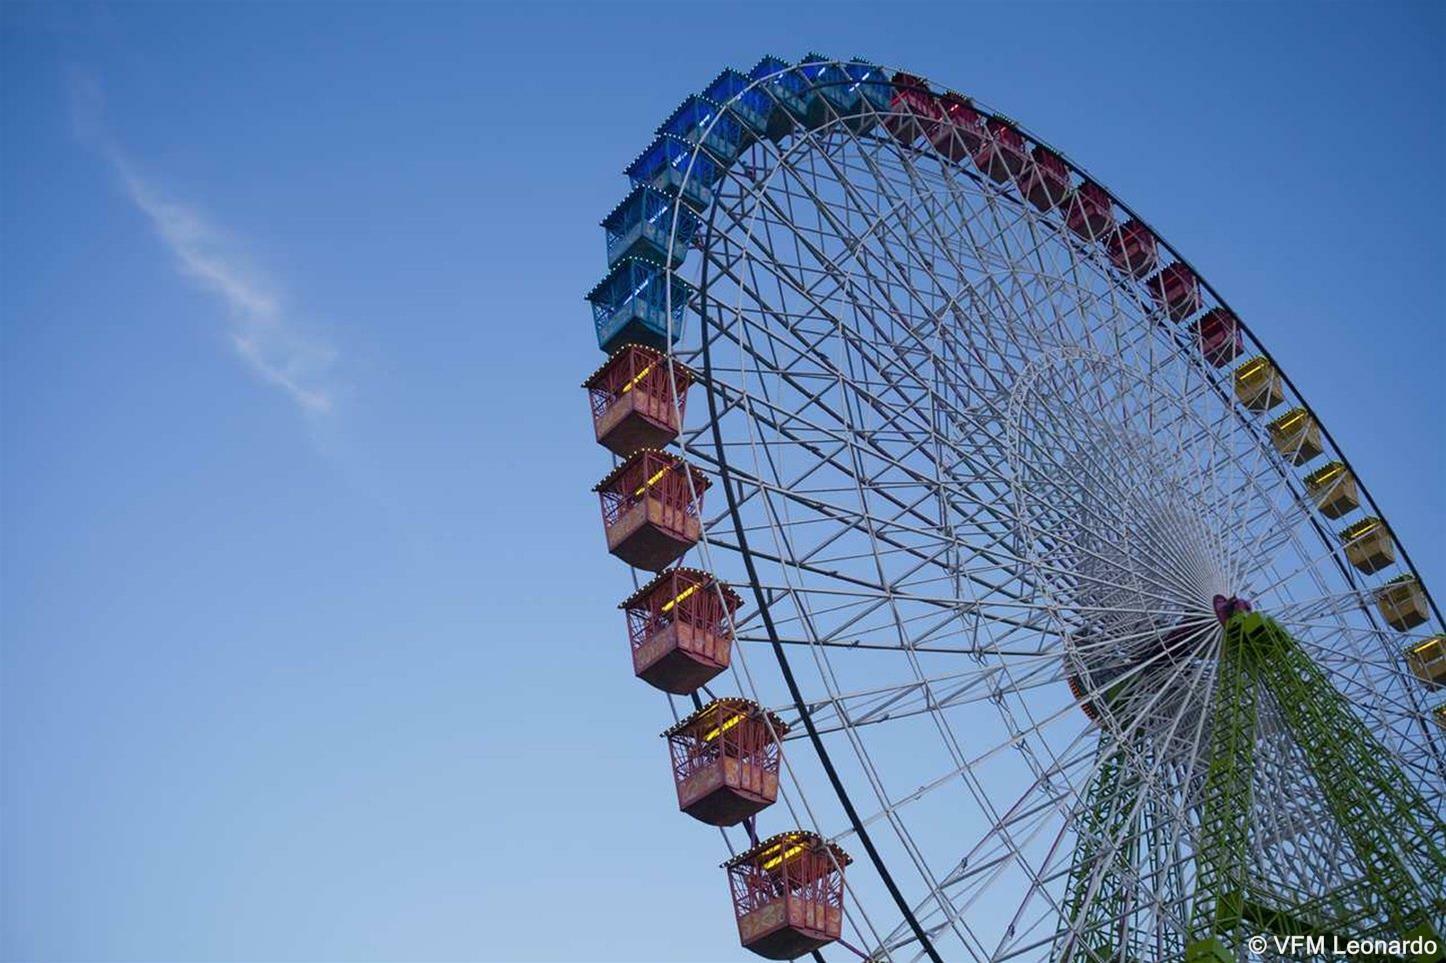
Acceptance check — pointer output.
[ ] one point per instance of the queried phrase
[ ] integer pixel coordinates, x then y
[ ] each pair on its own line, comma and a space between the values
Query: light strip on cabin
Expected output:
649, 483
1249, 370
719, 730
1285, 423
1362, 528
788, 854
629, 386
681, 596
1424, 647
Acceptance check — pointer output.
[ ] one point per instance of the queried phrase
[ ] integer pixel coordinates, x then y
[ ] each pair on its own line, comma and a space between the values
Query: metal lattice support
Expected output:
1393, 832
1223, 857
1097, 901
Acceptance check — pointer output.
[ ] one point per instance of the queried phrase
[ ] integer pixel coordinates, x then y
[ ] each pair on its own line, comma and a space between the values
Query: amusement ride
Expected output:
1010, 601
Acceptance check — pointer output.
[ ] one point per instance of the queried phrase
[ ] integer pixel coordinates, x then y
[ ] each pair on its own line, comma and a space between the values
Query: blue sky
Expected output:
309, 641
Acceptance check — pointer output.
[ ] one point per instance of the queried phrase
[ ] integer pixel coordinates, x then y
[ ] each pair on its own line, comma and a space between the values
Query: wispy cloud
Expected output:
263, 333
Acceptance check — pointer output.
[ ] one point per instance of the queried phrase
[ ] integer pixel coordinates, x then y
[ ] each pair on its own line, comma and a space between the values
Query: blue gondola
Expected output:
749, 105
648, 224
873, 83
630, 305
800, 102
701, 121
832, 83
675, 168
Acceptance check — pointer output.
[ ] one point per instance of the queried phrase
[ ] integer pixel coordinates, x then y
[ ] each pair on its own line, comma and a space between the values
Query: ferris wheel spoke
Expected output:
754, 482
887, 306
981, 872
1171, 561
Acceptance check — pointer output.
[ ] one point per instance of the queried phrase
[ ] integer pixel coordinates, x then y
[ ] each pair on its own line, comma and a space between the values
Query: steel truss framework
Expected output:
966, 462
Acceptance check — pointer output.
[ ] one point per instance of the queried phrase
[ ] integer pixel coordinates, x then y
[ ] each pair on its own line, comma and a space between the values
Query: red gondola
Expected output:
1045, 180
725, 760
632, 399
680, 627
1219, 337
1091, 211
649, 512
914, 111
1000, 155
788, 894
1133, 249
1177, 290
960, 130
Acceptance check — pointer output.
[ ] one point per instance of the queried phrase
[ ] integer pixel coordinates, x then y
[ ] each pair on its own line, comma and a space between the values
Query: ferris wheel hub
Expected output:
1226, 606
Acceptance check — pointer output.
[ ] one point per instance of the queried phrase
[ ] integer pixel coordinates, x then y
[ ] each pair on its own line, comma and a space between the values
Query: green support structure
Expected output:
1222, 863
1104, 840
1392, 832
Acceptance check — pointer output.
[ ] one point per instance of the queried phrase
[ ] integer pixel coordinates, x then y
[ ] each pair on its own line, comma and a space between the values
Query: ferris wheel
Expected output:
1011, 602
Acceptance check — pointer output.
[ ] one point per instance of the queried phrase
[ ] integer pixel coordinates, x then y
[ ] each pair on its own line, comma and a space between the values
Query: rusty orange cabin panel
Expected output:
725, 760
788, 894
632, 399
680, 629
1133, 249
650, 506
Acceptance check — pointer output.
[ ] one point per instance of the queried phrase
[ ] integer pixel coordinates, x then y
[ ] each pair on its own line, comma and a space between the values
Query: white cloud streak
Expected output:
259, 328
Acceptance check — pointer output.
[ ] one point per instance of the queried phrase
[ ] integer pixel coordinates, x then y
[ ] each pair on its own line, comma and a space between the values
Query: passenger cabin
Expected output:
632, 399
834, 86
725, 760
680, 626
960, 130
1439, 714
1045, 180
1369, 546
1333, 489
638, 302
788, 894
1258, 386
1091, 211
1427, 660
673, 166
1402, 603
914, 111
1219, 337
1177, 290
1001, 154
1296, 436
1133, 249
800, 103
648, 224
874, 89
702, 122
750, 106
650, 506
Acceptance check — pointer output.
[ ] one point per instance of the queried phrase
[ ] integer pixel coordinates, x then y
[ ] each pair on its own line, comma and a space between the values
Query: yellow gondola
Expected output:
1258, 385
1402, 603
1427, 660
